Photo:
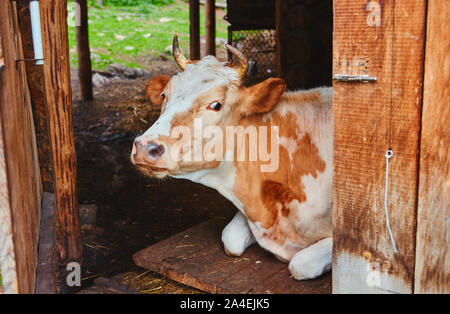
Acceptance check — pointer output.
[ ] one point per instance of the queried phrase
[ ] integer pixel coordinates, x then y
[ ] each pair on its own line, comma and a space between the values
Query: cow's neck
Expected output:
221, 178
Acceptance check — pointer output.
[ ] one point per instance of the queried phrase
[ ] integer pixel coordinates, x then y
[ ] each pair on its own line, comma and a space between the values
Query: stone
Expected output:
99, 80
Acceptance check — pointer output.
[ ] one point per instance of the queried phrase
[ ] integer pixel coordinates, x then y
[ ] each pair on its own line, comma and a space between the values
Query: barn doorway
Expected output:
388, 96
134, 212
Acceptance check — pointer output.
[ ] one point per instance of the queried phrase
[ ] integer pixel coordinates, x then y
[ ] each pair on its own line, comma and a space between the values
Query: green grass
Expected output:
120, 34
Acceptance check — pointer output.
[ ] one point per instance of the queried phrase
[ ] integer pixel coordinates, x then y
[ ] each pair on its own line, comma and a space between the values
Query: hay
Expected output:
152, 283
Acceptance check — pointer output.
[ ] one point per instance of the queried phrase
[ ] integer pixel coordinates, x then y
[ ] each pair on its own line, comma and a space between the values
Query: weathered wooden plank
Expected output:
7, 254
20, 156
59, 113
196, 258
433, 222
46, 267
194, 34
84, 53
279, 47
210, 27
383, 39
35, 80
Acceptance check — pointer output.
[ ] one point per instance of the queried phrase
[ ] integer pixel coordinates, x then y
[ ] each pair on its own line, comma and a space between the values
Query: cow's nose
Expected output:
148, 152
155, 151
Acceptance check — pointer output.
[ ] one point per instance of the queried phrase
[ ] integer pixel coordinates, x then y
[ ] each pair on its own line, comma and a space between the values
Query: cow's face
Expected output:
206, 95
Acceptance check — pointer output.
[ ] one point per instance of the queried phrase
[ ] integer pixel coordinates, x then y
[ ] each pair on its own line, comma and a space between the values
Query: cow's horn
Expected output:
177, 54
242, 62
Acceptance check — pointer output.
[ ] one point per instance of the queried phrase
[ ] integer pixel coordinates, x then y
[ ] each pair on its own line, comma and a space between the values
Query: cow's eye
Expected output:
216, 106
163, 96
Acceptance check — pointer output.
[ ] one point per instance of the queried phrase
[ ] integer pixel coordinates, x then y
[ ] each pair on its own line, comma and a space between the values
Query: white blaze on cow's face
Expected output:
198, 94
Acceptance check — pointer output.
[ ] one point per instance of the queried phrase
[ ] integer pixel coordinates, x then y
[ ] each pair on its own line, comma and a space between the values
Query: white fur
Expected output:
313, 261
236, 236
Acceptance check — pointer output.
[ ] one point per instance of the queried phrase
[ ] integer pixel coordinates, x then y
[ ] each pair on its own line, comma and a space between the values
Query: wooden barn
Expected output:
389, 66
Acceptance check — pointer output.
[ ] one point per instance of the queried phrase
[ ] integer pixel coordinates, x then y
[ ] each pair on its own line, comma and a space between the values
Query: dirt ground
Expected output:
133, 211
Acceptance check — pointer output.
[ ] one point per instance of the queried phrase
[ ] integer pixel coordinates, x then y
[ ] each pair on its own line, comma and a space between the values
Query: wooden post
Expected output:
35, 79
194, 18
84, 54
59, 113
432, 274
368, 118
20, 189
279, 47
210, 27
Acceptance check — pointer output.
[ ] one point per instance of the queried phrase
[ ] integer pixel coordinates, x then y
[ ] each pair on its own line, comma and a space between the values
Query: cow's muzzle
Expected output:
146, 153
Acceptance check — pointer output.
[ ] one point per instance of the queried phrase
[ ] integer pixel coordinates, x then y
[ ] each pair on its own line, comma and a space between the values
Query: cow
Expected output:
287, 209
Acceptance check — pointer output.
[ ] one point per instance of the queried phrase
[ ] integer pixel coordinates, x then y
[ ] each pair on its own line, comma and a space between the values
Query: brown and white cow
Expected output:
286, 210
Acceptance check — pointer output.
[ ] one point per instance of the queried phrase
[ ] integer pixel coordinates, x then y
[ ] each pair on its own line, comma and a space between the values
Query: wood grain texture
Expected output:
59, 113
196, 258
46, 267
35, 80
84, 53
278, 47
20, 153
365, 125
210, 27
433, 222
194, 33
7, 255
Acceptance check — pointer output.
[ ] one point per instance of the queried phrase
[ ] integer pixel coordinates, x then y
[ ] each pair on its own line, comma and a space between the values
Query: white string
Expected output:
389, 155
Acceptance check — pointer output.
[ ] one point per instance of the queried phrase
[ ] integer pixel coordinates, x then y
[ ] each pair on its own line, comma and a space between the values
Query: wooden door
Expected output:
433, 216
386, 40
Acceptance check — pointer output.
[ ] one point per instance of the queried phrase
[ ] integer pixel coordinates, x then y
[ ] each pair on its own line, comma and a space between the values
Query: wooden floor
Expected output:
196, 258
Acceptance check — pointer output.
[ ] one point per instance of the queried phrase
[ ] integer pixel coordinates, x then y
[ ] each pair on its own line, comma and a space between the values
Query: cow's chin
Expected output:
153, 172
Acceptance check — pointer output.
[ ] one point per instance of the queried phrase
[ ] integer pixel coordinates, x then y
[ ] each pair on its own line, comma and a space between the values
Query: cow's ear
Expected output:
264, 96
155, 87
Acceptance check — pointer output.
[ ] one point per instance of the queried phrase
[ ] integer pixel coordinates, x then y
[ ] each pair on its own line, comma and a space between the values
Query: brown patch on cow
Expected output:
273, 193
259, 191
309, 161
154, 88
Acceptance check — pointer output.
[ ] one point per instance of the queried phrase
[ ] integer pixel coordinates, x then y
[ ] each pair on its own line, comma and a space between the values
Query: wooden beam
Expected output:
35, 79
59, 113
84, 53
210, 27
7, 254
194, 18
279, 47
384, 40
18, 158
46, 266
432, 274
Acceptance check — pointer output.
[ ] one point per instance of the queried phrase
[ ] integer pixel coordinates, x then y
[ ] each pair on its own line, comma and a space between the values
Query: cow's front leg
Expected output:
312, 261
237, 236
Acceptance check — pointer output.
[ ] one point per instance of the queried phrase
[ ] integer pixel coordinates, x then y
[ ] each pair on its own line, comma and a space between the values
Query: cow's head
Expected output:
206, 91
